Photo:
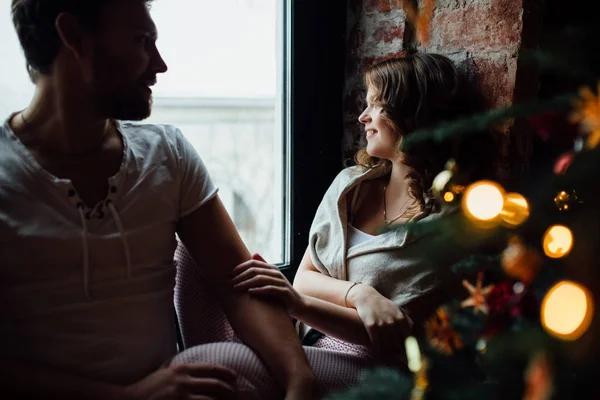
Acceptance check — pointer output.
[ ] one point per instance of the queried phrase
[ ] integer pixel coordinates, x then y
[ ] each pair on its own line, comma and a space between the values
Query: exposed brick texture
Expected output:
483, 37
375, 32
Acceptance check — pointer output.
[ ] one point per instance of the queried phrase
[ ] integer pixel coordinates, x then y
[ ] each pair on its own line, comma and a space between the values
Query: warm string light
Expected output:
448, 197
483, 201
567, 310
413, 354
418, 366
557, 241
515, 210
486, 201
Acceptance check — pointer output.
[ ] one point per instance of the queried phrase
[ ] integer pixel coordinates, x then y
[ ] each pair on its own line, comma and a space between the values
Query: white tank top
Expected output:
356, 237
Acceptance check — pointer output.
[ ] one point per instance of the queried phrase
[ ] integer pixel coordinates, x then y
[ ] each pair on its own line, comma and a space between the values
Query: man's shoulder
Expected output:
132, 127
4, 129
147, 136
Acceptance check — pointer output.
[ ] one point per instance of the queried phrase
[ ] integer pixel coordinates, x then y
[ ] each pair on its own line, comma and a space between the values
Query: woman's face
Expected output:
381, 138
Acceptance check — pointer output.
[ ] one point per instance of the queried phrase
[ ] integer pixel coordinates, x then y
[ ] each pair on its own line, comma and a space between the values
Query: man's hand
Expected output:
261, 279
185, 381
385, 323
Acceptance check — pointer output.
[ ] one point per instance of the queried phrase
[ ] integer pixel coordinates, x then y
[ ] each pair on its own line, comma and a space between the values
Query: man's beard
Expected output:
120, 99
128, 105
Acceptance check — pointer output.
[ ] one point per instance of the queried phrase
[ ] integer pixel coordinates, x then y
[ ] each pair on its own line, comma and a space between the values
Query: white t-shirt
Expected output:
91, 291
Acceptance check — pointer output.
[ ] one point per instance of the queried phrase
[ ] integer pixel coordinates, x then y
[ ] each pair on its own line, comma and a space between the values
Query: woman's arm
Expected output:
259, 278
385, 323
312, 282
375, 320
339, 322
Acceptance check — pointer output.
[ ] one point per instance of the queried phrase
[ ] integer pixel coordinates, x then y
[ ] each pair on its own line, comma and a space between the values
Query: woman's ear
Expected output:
71, 33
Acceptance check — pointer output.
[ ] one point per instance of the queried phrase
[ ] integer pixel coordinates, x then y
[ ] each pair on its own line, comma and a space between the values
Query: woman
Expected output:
363, 288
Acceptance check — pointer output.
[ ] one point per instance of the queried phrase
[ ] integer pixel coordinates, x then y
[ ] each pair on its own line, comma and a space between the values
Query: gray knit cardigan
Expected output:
402, 265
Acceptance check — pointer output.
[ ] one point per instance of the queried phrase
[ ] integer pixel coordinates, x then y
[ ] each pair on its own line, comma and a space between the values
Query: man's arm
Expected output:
214, 243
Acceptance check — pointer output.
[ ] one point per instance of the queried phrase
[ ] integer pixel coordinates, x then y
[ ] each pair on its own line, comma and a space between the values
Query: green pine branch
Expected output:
478, 123
549, 61
378, 384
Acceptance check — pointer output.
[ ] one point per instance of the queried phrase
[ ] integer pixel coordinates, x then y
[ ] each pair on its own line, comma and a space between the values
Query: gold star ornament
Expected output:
587, 113
440, 333
477, 295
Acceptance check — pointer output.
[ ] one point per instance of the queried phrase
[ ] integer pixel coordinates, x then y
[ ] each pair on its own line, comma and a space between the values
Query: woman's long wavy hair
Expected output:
414, 91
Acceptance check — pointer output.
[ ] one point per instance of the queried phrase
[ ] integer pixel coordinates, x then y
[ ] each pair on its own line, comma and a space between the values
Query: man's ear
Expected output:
71, 33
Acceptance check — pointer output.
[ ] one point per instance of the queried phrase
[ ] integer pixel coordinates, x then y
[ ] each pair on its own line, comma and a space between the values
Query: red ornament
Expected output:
555, 126
500, 297
563, 162
499, 302
505, 305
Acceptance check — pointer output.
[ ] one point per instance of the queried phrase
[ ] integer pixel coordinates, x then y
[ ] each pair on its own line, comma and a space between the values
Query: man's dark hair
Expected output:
35, 22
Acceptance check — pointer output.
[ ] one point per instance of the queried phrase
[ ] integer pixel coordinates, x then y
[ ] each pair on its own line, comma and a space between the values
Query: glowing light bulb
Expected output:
483, 200
448, 197
413, 354
567, 310
558, 241
515, 209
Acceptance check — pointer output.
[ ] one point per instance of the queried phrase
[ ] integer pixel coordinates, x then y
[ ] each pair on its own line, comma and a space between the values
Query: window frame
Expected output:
314, 59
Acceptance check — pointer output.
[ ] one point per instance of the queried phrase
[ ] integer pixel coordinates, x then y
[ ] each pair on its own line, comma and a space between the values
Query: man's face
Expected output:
122, 61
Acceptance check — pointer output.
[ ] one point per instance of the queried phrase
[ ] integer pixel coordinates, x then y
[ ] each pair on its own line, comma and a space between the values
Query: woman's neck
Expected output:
396, 186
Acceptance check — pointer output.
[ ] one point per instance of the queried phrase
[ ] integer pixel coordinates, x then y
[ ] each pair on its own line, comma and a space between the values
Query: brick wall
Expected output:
483, 37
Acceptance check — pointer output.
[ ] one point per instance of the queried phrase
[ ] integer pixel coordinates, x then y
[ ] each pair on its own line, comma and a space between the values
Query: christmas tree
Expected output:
527, 326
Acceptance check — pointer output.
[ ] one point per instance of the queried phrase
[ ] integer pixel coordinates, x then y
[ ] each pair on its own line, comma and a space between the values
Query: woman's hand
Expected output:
261, 279
386, 324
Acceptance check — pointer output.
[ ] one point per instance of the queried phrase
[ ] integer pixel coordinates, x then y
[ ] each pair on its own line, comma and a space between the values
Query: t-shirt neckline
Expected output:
114, 181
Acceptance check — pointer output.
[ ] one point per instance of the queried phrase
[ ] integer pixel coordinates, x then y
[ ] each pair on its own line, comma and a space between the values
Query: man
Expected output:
89, 210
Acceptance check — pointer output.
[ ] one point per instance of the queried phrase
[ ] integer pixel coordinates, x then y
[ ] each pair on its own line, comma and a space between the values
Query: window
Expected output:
256, 86
225, 91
